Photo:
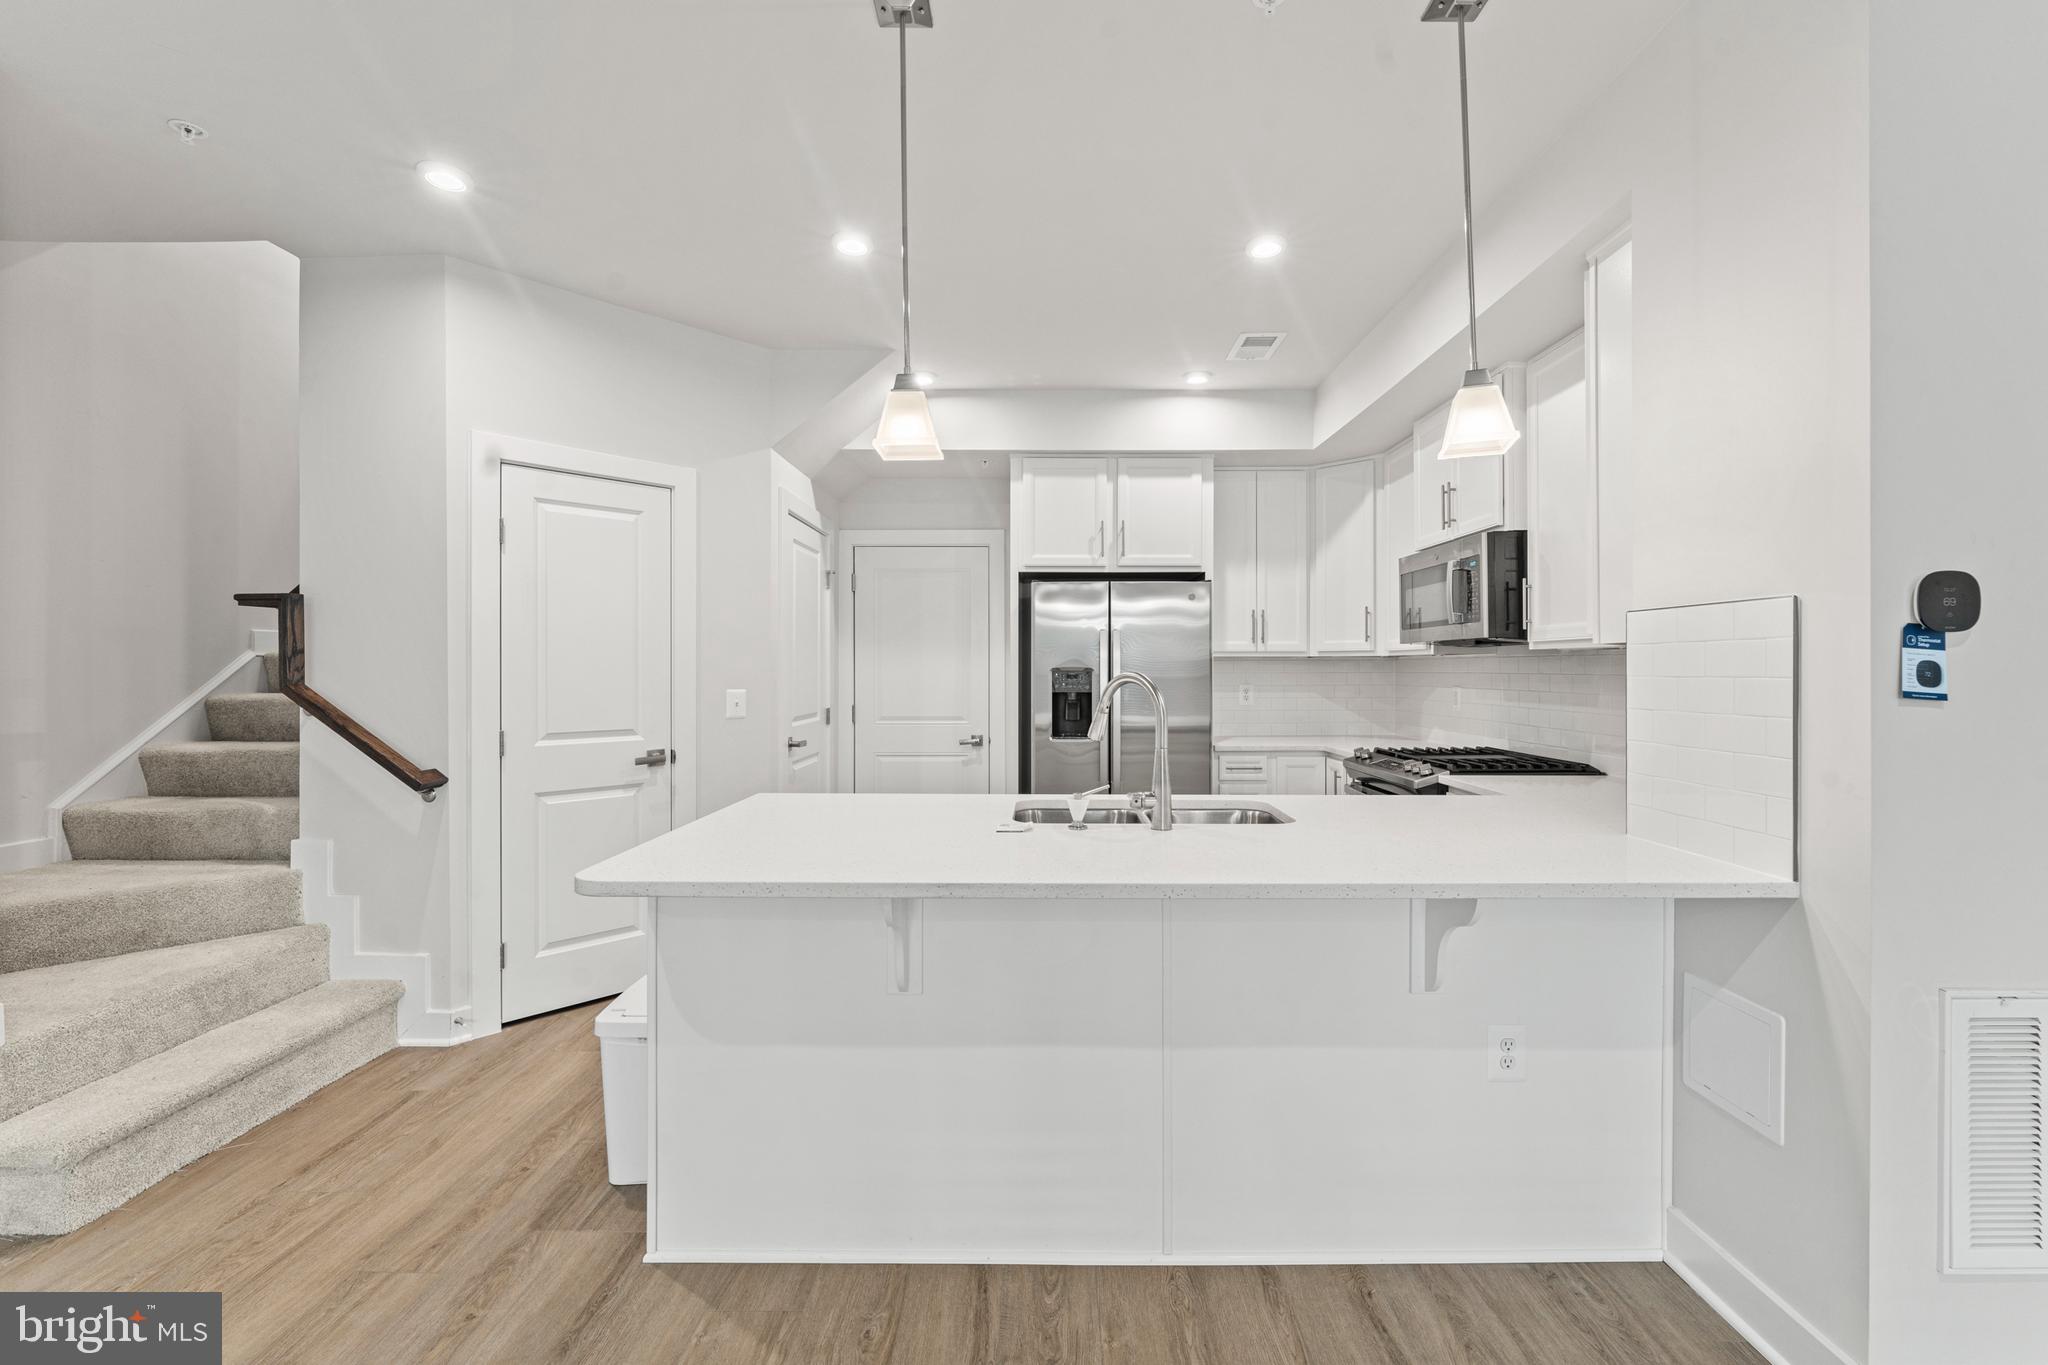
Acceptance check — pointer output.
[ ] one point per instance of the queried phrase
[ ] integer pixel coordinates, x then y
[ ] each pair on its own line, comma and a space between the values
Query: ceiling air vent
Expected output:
1257, 345
1997, 1191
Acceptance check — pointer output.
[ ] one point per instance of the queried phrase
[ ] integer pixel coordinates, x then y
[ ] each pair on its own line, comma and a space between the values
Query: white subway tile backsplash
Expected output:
1710, 697
1337, 697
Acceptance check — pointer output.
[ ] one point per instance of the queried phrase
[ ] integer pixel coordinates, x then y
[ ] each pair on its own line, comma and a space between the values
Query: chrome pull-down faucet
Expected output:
1162, 781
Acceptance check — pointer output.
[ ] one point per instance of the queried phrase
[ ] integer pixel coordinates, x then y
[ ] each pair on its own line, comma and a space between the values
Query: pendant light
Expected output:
906, 431
1480, 423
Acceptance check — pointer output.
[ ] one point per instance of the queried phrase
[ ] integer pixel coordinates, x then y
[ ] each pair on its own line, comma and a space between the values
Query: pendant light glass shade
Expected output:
1480, 423
906, 432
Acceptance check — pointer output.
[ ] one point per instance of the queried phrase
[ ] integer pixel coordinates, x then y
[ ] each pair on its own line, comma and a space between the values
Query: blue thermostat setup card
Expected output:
1923, 664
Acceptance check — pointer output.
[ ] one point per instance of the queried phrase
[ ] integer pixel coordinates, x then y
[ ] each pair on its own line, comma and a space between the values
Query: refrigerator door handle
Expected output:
1107, 753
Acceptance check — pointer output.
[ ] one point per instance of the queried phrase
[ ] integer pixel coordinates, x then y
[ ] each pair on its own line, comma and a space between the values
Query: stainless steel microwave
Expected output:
1469, 591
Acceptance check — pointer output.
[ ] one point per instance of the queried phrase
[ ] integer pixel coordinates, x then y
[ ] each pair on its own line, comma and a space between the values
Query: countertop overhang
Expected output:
1525, 837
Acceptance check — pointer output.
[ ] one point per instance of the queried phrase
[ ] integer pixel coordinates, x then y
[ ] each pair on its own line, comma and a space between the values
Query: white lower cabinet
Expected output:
1243, 775
1298, 775
1272, 774
1334, 776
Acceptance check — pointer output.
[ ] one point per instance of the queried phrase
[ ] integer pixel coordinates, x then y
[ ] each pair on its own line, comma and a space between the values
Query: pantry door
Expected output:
924, 694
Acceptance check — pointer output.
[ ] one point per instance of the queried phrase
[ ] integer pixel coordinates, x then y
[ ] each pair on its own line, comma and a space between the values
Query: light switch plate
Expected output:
736, 703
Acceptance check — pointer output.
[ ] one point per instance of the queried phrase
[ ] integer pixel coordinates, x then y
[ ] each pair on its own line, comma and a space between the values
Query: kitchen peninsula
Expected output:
884, 1028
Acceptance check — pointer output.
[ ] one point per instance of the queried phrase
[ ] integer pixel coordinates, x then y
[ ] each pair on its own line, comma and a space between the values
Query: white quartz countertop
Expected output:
1512, 837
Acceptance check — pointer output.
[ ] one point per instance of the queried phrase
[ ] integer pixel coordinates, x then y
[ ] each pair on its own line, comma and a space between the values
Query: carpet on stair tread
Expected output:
222, 768
95, 908
71, 1024
252, 715
74, 1157
234, 828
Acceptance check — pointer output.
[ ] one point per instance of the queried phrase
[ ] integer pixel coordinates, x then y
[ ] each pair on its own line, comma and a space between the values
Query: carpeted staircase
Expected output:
162, 994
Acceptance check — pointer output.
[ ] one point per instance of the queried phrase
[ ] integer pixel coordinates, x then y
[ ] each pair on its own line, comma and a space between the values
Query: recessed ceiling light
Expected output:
925, 379
1265, 248
1197, 377
851, 244
443, 176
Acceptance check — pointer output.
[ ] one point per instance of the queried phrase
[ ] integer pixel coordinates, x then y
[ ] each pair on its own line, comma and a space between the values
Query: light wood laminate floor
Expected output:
451, 1205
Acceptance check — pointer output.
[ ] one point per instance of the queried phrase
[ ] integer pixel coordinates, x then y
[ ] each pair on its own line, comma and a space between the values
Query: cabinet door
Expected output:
1160, 517
1298, 775
1063, 520
1455, 497
1283, 561
1610, 369
1234, 598
1341, 574
1396, 539
1334, 777
1563, 518
1240, 774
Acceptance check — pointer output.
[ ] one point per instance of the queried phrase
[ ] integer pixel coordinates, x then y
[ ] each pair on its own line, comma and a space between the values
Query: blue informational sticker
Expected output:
1923, 664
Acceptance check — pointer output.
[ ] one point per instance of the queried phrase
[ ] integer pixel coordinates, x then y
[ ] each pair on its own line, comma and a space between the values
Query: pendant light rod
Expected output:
1465, 140
903, 162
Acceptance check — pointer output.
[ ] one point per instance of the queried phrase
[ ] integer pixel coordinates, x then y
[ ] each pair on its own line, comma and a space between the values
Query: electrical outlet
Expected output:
736, 703
1507, 1057
1244, 694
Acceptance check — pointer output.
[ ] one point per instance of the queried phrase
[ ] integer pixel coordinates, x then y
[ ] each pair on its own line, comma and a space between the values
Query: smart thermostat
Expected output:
1948, 600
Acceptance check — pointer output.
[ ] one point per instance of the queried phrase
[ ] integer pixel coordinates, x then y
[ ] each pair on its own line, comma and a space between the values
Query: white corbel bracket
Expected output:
905, 942
1430, 922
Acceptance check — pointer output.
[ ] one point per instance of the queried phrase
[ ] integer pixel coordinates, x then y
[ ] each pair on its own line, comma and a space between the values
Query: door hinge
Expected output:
828, 715
501, 533
501, 957
830, 574
853, 582
501, 744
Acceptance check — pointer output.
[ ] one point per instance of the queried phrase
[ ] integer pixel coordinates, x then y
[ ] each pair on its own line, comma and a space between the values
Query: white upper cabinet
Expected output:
1610, 371
1564, 606
1082, 512
1396, 540
1342, 608
1259, 604
1457, 497
1162, 512
1062, 514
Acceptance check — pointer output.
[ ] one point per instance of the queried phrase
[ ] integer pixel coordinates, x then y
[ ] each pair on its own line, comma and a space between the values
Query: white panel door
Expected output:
1563, 499
1159, 519
1063, 512
1341, 582
805, 690
585, 678
1234, 601
1283, 561
922, 704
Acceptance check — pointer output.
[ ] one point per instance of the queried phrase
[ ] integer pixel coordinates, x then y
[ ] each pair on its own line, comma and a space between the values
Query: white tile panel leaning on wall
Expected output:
1712, 734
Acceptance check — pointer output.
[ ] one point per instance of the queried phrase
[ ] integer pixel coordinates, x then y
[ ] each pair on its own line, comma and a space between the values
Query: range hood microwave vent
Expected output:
1257, 345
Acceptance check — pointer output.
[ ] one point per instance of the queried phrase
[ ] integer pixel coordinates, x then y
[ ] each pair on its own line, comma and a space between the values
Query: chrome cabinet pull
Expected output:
973, 741
1102, 538
1525, 606
1368, 625
1262, 627
1121, 539
653, 758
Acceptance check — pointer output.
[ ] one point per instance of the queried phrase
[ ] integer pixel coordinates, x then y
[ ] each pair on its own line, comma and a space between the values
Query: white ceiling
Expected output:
1084, 176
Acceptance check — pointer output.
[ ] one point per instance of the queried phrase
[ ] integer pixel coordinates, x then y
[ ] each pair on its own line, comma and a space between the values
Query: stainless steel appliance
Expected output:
1469, 591
1421, 771
1077, 634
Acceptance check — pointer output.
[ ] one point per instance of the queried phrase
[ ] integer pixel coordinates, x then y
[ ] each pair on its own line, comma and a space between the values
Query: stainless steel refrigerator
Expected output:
1079, 633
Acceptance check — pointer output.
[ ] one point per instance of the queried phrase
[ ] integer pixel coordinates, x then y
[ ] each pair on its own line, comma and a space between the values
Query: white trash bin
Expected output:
622, 1044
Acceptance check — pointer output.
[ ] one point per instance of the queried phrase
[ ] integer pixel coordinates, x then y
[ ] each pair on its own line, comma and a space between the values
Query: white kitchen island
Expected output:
884, 1031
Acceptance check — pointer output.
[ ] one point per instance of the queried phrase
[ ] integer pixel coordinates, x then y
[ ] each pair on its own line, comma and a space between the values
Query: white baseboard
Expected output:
1780, 1333
23, 854
1041, 1256
418, 1026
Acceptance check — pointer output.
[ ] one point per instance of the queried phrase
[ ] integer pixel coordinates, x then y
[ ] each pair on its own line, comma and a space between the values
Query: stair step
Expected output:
270, 670
71, 1024
67, 1161
252, 715
234, 828
78, 911
221, 768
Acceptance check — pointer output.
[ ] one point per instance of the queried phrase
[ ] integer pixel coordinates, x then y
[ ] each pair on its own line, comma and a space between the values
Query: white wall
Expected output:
925, 504
1959, 291
148, 406
404, 358
1738, 146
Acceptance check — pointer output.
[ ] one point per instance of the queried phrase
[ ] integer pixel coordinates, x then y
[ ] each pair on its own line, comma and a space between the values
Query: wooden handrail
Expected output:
291, 679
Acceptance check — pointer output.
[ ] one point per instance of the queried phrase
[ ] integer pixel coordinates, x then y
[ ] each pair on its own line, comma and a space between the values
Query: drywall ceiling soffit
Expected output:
830, 400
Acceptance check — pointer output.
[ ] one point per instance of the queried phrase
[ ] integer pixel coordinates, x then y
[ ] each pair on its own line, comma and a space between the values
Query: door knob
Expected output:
974, 741
653, 758
799, 744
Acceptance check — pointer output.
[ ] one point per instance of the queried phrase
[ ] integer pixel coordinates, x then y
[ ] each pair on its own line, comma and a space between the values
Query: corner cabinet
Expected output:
1342, 610
1457, 497
1259, 604
1090, 512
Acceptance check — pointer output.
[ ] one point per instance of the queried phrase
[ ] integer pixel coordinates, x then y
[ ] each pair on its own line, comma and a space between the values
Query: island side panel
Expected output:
1318, 1108
1006, 1105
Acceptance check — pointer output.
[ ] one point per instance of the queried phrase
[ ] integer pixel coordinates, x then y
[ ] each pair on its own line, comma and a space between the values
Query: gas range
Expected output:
1420, 771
